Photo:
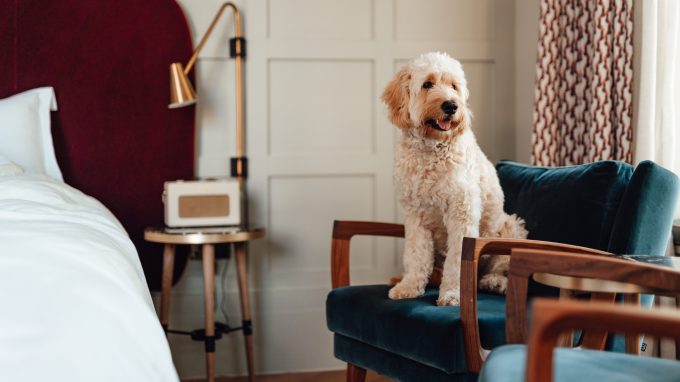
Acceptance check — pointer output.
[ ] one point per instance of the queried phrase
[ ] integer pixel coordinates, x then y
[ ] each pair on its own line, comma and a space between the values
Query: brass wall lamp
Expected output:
182, 92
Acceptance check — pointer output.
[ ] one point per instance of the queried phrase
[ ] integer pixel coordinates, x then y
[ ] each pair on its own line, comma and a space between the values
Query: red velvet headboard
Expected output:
115, 137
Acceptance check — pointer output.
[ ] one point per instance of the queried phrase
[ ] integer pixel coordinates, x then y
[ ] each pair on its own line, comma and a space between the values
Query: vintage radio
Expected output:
202, 203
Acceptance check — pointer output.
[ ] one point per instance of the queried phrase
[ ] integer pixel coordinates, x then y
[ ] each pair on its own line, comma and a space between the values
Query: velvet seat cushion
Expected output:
391, 365
507, 364
416, 329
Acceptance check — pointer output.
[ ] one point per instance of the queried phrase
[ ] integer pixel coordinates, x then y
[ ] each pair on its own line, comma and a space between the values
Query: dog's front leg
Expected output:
463, 222
418, 259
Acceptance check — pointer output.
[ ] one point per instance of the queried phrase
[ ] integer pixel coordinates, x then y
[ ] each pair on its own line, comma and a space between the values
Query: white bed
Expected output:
83, 103
74, 304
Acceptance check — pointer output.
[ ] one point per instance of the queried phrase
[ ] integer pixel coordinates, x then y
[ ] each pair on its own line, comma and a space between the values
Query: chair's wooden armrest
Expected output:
551, 318
342, 234
649, 276
473, 248
343, 229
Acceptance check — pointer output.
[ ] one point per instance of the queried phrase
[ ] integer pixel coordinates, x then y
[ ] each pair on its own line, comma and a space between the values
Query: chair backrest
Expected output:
603, 205
645, 217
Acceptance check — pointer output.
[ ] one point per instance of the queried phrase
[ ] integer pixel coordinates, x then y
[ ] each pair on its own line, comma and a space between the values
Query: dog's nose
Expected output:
449, 107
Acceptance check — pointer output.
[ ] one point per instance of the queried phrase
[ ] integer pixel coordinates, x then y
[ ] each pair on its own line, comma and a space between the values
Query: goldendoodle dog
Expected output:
447, 187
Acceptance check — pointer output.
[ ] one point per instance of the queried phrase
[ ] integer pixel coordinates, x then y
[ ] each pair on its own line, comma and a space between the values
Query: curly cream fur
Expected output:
447, 187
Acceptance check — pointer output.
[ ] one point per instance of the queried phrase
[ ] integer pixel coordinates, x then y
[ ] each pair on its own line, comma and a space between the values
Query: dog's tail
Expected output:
513, 228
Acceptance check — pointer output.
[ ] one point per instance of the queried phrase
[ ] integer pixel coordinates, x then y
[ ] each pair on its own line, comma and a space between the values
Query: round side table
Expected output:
207, 237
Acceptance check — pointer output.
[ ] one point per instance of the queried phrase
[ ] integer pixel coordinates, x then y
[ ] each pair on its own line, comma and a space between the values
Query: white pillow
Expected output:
25, 132
8, 168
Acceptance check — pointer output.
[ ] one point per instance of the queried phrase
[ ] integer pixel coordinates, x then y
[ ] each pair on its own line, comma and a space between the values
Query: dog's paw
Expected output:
449, 298
493, 283
403, 290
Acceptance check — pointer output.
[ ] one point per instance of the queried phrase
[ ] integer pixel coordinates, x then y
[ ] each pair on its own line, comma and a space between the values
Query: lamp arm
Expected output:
239, 164
237, 30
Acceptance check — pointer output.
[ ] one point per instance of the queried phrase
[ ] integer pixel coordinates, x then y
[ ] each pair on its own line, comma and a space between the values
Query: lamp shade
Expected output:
181, 91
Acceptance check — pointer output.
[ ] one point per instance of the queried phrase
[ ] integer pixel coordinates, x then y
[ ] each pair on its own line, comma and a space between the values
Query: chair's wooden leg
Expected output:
632, 340
355, 373
677, 341
166, 283
566, 339
209, 299
242, 272
593, 339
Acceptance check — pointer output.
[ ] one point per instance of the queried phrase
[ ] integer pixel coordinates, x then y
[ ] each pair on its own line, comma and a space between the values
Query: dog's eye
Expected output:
428, 85
454, 87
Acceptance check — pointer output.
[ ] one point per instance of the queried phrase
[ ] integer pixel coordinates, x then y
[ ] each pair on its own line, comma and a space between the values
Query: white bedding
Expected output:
74, 305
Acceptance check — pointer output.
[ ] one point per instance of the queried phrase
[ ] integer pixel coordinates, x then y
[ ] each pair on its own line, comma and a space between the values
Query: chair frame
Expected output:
525, 262
473, 248
551, 318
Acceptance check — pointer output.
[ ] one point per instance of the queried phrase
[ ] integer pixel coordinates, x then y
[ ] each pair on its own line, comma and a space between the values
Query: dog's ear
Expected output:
396, 97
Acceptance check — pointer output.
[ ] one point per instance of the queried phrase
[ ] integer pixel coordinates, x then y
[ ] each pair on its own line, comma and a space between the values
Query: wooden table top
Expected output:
202, 235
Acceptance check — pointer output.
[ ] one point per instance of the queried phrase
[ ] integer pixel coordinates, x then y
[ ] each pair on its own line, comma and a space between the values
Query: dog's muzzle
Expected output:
449, 107
444, 124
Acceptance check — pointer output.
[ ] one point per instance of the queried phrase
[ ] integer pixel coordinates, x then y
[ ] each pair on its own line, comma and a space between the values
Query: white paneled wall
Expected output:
321, 122
460, 21
320, 148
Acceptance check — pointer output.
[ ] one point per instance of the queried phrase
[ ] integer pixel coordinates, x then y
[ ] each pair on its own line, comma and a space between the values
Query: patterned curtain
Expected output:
583, 99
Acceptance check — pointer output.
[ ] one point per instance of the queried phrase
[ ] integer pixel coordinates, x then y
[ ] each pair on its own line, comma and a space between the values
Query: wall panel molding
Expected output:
300, 217
320, 20
309, 112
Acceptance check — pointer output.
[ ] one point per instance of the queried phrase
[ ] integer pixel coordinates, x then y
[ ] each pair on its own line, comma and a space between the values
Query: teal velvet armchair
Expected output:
540, 361
596, 208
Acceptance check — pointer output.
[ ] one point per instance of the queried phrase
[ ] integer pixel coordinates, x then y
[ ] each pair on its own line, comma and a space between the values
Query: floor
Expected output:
326, 376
